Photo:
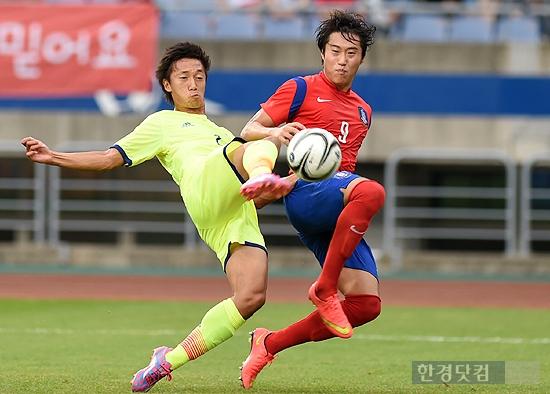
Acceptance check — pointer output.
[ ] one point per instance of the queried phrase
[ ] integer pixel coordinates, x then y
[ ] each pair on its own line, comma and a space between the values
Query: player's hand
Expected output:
36, 150
288, 131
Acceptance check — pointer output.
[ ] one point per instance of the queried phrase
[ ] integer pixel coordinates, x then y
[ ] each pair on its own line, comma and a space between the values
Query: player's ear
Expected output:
166, 85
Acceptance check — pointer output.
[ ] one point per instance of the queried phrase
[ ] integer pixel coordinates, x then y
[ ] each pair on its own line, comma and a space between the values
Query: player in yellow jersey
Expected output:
218, 174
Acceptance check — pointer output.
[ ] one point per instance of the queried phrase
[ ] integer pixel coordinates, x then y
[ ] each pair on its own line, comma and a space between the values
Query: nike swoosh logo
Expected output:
320, 100
259, 339
352, 228
341, 330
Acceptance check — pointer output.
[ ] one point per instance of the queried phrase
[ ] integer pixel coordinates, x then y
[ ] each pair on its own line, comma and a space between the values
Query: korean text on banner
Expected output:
56, 50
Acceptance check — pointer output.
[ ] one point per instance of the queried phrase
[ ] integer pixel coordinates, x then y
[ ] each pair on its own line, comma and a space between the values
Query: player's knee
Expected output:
362, 308
371, 193
274, 140
378, 193
256, 301
249, 302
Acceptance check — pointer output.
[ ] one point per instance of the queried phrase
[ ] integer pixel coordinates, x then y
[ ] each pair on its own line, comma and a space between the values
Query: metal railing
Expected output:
32, 208
88, 214
77, 203
140, 198
534, 220
408, 217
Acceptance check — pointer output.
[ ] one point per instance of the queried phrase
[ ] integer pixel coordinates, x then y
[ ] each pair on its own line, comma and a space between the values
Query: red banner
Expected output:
75, 50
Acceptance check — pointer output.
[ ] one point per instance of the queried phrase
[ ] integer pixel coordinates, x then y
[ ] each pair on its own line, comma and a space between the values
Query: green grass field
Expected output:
96, 346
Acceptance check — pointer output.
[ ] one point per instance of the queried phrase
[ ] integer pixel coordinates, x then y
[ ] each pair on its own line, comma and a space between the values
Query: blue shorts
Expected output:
313, 209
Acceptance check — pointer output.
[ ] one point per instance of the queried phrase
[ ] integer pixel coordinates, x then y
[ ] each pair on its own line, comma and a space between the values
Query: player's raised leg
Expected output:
258, 160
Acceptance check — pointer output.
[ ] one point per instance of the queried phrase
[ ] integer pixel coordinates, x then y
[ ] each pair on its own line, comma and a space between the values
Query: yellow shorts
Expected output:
222, 216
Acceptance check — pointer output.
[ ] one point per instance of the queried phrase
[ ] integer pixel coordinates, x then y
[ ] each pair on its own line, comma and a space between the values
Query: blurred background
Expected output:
460, 136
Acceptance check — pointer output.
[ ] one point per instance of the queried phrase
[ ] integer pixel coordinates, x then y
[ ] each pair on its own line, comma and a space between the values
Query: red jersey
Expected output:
344, 114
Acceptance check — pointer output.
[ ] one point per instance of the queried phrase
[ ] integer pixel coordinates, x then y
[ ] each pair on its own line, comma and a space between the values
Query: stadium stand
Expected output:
524, 29
425, 28
237, 26
191, 5
412, 20
282, 29
471, 29
415, 21
186, 24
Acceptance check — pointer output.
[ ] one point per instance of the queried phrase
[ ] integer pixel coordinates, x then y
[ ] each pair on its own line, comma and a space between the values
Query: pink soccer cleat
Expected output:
269, 183
332, 314
157, 369
258, 358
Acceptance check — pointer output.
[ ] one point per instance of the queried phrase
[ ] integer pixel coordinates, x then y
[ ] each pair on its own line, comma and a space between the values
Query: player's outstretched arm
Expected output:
39, 152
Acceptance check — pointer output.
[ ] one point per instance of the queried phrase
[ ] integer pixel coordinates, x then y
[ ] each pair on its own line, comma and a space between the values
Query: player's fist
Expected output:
36, 150
289, 130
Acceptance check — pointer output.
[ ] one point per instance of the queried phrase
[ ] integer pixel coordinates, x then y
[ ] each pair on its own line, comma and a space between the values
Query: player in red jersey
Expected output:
343, 205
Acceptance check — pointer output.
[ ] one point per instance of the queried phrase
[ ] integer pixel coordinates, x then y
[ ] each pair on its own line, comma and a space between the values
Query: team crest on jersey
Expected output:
364, 116
342, 175
187, 124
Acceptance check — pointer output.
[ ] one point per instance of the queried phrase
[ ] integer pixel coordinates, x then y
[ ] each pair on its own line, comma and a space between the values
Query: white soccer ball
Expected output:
314, 154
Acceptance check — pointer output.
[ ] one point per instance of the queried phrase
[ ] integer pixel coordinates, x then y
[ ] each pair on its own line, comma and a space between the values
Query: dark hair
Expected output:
181, 50
347, 23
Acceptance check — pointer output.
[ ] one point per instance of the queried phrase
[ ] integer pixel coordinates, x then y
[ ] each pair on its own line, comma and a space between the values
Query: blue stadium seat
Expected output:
183, 25
471, 29
284, 29
188, 5
237, 26
524, 29
425, 28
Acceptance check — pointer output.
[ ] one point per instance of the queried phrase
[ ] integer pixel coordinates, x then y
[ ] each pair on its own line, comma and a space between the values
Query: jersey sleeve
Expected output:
143, 143
278, 105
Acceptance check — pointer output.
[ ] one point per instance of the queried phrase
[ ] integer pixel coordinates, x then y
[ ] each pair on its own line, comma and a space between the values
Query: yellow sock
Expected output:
217, 325
259, 157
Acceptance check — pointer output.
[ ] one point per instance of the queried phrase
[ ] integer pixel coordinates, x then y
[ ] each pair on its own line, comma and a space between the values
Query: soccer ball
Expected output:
314, 154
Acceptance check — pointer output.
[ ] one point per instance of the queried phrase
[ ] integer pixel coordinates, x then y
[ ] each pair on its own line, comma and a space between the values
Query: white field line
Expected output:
368, 337
70, 331
422, 338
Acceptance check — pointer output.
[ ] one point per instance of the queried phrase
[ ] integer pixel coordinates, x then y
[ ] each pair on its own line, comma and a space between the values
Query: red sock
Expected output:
365, 200
359, 309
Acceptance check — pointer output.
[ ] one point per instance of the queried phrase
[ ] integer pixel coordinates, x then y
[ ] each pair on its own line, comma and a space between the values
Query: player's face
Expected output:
187, 84
341, 59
